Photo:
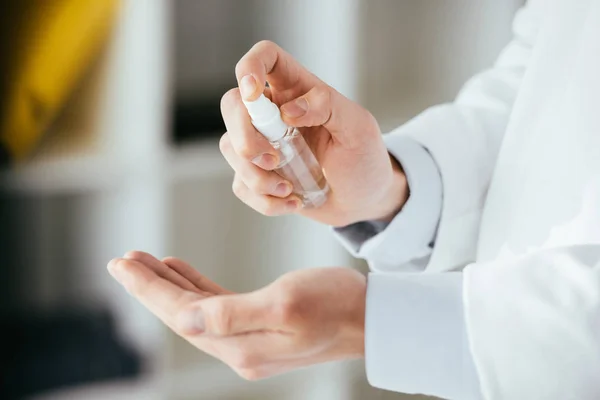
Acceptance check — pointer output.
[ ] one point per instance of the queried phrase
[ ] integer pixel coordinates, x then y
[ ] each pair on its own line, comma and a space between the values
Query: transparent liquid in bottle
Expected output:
300, 167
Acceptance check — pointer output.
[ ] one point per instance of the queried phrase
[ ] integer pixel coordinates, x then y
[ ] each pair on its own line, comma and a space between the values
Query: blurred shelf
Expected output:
218, 381
58, 173
142, 389
196, 160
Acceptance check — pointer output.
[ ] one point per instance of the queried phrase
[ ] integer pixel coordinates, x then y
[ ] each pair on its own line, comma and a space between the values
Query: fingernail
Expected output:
118, 272
132, 255
247, 86
265, 161
111, 265
296, 108
283, 189
191, 321
292, 205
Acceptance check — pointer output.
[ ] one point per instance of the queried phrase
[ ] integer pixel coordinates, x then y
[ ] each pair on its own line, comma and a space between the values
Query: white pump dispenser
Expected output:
266, 118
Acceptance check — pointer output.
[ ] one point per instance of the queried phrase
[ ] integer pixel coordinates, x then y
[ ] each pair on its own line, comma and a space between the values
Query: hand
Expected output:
365, 184
303, 318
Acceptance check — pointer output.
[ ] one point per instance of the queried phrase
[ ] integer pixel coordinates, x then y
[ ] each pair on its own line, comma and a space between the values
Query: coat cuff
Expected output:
410, 234
415, 336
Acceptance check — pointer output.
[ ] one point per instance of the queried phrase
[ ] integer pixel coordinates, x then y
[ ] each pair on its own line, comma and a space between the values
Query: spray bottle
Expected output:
297, 163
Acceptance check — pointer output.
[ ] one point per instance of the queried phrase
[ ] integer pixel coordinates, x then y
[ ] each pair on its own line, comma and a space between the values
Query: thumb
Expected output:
224, 315
325, 106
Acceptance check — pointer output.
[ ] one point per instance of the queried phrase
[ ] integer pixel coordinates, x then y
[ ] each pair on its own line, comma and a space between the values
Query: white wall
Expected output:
414, 54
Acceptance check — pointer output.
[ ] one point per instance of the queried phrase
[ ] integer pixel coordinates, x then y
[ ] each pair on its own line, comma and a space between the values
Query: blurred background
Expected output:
110, 122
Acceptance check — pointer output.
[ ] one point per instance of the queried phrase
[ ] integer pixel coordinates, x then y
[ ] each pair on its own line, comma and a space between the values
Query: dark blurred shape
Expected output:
53, 337
198, 120
8, 20
209, 38
4, 157
45, 352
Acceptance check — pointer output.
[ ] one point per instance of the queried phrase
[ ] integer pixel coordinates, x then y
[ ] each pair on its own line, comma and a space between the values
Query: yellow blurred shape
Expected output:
54, 46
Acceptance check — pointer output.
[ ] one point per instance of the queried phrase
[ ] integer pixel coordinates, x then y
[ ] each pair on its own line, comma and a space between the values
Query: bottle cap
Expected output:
266, 118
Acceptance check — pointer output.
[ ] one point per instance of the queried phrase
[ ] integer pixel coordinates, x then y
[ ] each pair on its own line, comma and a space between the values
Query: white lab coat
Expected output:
519, 157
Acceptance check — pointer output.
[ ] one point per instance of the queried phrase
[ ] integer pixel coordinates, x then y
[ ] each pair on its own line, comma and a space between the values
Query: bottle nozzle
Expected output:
266, 118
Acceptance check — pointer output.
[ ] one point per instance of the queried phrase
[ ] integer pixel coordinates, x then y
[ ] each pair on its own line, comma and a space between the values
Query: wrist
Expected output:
348, 339
352, 334
395, 195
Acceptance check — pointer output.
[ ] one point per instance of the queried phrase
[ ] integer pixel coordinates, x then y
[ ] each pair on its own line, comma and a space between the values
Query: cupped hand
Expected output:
366, 184
303, 318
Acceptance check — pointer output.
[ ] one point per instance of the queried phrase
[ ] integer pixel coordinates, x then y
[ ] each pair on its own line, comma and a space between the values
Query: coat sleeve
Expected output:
530, 328
463, 140
414, 227
423, 331
534, 324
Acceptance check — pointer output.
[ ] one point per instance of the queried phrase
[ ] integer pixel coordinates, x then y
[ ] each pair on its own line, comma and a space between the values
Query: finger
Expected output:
249, 353
271, 369
280, 365
162, 270
264, 204
266, 61
268, 93
195, 277
245, 140
261, 354
325, 106
256, 178
228, 315
161, 297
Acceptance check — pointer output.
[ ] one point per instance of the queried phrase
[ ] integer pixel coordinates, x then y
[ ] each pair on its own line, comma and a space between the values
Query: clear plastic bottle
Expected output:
297, 162
299, 166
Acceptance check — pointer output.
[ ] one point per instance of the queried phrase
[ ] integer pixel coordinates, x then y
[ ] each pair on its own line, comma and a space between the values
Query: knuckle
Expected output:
266, 46
244, 148
229, 99
320, 97
269, 209
225, 143
243, 65
219, 319
187, 298
249, 374
263, 46
243, 360
323, 93
286, 308
239, 66
237, 187
255, 183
